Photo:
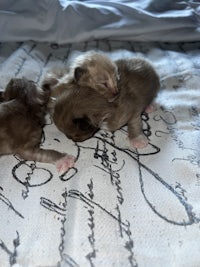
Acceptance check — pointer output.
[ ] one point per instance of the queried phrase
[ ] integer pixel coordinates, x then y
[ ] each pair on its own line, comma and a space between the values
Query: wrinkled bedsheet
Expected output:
69, 21
118, 206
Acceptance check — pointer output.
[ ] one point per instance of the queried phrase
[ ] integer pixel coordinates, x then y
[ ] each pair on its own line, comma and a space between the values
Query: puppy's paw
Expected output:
139, 142
65, 163
150, 108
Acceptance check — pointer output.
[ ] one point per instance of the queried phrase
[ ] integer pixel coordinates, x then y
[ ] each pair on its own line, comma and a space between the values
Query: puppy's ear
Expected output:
12, 90
78, 73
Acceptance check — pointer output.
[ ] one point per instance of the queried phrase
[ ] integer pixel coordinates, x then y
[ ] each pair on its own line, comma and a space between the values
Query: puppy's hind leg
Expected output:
136, 137
62, 161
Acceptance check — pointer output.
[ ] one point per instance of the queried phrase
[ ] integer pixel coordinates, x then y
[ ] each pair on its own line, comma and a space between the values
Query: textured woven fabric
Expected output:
118, 206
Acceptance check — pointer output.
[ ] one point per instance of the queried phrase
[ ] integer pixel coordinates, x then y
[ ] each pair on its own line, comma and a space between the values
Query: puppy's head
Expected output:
98, 72
26, 91
71, 114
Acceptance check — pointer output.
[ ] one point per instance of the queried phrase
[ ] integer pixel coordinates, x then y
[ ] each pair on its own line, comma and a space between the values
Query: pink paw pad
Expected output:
65, 163
149, 109
140, 141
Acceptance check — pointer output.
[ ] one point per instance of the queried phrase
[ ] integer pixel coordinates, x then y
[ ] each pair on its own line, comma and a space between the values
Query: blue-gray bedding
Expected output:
74, 21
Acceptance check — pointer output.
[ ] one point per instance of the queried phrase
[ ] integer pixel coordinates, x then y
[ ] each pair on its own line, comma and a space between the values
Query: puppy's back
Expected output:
137, 76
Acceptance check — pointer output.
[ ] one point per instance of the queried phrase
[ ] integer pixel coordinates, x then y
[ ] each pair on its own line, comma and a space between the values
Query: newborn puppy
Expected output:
22, 117
137, 84
79, 115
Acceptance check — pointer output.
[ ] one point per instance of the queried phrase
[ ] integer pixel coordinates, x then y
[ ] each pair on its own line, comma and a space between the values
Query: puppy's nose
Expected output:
113, 90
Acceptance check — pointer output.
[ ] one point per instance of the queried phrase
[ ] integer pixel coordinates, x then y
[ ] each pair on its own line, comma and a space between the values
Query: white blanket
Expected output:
118, 206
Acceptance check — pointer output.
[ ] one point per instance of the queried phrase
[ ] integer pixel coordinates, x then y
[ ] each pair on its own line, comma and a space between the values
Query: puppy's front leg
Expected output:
136, 137
62, 161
